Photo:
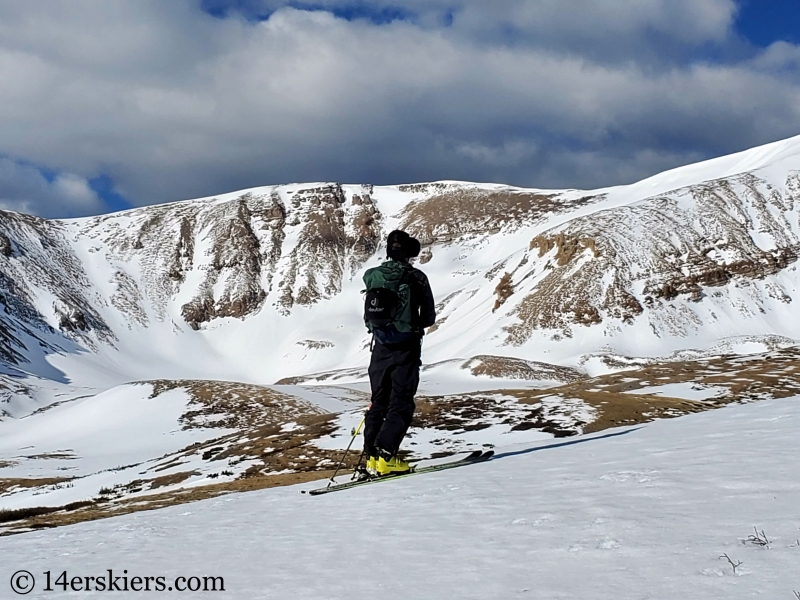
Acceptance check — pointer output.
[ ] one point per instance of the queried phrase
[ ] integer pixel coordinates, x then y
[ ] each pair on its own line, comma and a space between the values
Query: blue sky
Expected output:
131, 102
761, 22
764, 22
378, 15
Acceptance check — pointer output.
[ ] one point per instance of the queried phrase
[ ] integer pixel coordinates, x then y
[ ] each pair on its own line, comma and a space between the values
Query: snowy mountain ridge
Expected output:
219, 342
666, 263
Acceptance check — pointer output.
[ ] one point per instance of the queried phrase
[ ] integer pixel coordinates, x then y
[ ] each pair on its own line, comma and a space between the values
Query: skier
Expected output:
398, 307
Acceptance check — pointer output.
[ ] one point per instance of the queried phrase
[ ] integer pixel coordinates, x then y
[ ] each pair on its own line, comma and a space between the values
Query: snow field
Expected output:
634, 513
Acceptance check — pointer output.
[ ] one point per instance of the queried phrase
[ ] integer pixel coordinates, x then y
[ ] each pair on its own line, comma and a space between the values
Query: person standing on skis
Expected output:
398, 307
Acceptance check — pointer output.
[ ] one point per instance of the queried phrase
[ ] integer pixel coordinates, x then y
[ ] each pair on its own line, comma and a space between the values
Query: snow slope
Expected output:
634, 513
236, 293
263, 284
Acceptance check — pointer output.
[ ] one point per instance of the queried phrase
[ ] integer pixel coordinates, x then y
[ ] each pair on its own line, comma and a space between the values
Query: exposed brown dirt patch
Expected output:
20, 514
474, 412
267, 449
11, 483
507, 367
232, 405
727, 378
503, 291
460, 211
279, 449
615, 409
57, 455
582, 405
567, 246
332, 376
156, 501
172, 479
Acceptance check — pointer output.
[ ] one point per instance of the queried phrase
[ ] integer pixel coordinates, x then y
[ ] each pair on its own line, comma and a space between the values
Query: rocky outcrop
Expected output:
618, 303
184, 251
230, 256
43, 262
703, 273
331, 233
625, 263
362, 224
503, 290
272, 251
313, 267
154, 246
11, 348
566, 246
459, 210
232, 284
72, 320
5, 246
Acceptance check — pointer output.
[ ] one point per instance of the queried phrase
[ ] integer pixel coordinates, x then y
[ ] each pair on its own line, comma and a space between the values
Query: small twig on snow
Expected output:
759, 539
797, 594
733, 564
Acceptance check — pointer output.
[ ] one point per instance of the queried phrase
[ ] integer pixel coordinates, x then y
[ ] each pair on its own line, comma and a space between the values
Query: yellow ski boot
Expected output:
392, 466
372, 466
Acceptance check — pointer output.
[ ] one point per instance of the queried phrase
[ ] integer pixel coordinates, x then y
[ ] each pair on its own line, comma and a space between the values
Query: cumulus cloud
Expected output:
171, 102
628, 30
24, 188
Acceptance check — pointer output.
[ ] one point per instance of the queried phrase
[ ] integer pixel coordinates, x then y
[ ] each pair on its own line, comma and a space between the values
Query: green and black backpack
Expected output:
387, 303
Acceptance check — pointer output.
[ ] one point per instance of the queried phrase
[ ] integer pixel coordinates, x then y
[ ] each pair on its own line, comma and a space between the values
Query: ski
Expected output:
474, 457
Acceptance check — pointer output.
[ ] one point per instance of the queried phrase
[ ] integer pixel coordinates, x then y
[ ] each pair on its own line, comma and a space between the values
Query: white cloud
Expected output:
565, 23
75, 190
172, 103
509, 154
607, 28
780, 59
23, 188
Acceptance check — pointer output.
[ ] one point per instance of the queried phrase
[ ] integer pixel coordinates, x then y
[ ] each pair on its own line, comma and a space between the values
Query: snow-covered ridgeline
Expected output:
263, 284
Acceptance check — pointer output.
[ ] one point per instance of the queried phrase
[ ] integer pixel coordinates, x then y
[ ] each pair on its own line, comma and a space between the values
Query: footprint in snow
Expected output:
608, 544
623, 476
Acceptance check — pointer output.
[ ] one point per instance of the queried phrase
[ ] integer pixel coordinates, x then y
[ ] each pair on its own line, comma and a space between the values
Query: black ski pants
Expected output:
394, 378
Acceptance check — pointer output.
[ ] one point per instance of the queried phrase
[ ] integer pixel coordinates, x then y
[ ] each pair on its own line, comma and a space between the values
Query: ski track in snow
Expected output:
635, 513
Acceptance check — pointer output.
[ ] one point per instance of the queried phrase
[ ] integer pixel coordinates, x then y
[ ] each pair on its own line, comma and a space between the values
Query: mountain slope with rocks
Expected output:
536, 290
666, 261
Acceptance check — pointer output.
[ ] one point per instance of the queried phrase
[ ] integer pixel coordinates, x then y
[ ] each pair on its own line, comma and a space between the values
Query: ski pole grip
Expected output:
356, 431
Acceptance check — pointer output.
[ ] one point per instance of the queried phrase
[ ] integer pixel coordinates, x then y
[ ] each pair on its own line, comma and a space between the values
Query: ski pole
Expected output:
358, 464
341, 460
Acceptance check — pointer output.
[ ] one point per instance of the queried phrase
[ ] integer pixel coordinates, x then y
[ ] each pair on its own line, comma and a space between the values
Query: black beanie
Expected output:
400, 245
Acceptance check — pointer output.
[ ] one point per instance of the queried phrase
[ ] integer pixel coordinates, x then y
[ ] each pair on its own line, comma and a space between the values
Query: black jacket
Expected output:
423, 308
